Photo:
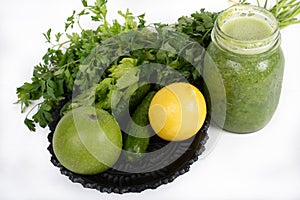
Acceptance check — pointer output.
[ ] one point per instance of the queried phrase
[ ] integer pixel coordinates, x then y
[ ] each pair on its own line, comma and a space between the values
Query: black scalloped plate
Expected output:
120, 181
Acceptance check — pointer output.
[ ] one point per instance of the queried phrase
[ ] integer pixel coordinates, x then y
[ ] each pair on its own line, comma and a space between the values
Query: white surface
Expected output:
262, 165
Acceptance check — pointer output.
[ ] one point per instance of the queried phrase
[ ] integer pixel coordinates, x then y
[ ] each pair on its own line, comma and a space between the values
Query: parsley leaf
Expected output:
30, 124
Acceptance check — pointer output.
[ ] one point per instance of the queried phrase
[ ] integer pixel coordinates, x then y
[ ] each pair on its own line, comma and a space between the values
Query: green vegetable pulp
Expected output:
252, 86
247, 29
251, 76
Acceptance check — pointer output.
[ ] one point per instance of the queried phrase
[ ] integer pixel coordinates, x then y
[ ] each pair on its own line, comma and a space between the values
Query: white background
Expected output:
261, 165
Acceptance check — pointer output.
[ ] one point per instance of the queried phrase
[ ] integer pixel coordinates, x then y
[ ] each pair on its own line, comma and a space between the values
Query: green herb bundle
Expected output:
53, 79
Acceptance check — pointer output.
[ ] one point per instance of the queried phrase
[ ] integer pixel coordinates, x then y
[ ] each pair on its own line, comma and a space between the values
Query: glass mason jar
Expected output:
245, 59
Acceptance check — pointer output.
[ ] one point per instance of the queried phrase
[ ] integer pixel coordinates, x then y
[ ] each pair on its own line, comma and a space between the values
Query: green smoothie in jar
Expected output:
246, 60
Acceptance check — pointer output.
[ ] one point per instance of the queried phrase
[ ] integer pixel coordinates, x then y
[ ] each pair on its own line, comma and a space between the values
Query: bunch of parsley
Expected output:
53, 79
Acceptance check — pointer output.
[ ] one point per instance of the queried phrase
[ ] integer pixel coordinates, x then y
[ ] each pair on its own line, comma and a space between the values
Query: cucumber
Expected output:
137, 140
121, 109
137, 97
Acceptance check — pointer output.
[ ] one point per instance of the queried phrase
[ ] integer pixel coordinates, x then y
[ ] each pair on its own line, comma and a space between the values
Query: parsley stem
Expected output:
266, 4
37, 105
258, 3
286, 11
60, 45
67, 64
78, 23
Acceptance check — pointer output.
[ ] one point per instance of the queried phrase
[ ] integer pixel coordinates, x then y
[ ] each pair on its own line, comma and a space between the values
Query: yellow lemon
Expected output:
177, 111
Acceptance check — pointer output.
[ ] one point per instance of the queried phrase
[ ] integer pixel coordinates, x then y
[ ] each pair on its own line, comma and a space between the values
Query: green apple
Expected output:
87, 140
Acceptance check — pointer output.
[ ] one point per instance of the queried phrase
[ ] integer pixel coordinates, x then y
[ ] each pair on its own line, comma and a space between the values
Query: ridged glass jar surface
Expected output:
249, 65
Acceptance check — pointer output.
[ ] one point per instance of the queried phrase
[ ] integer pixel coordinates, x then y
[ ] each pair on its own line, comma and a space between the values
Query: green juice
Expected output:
246, 62
246, 29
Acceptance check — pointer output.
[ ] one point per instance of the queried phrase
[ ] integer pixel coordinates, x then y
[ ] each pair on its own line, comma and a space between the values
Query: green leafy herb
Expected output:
198, 26
53, 79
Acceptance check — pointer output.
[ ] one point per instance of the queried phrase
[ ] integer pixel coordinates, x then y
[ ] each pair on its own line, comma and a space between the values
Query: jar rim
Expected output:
251, 46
